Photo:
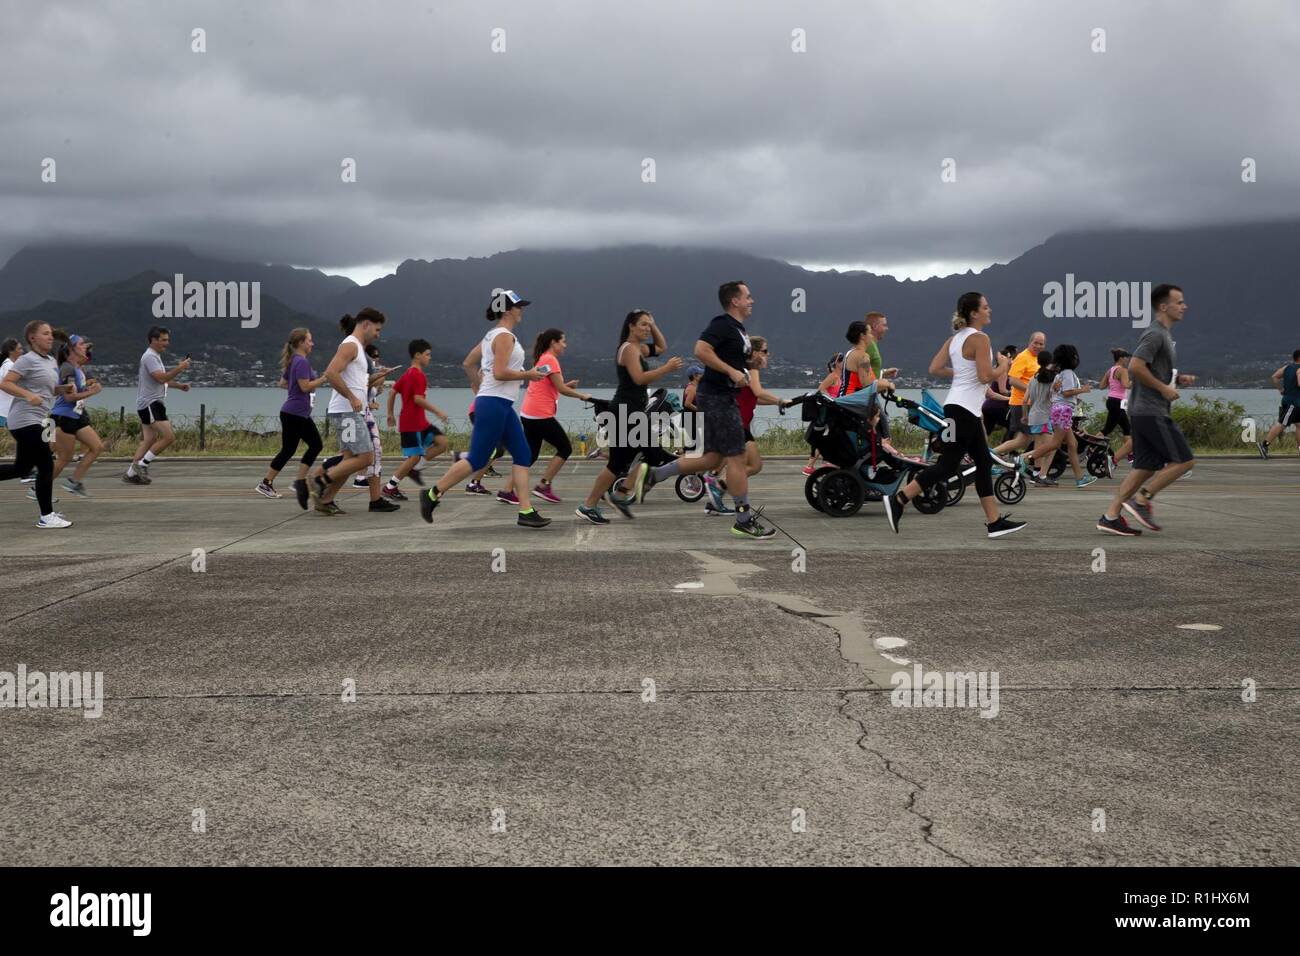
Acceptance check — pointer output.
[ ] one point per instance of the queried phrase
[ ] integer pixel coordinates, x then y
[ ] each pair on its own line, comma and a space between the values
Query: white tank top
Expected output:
354, 377
489, 387
967, 389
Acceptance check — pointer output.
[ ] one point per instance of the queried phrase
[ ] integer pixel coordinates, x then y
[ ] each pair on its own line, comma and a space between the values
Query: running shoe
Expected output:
724, 510
265, 490
751, 527
1085, 481
1040, 482
317, 485
640, 475
29, 479
77, 488
300, 492
1117, 526
593, 454
333, 509
428, 501
591, 514
31, 496
361, 482
893, 511
1263, 449
1143, 513
143, 468
392, 493
711, 485
1129, 459
1024, 465
507, 498
1186, 474
546, 493
620, 505
997, 470
476, 488
492, 472
54, 520
532, 518
135, 479
808, 469
1004, 526
383, 504
325, 507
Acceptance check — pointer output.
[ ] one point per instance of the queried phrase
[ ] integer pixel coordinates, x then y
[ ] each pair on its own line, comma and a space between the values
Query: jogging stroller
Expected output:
840, 430
1009, 487
666, 429
1095, 450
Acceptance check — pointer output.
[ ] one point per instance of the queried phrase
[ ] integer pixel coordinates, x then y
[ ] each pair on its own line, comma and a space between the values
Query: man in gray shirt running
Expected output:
1159, 448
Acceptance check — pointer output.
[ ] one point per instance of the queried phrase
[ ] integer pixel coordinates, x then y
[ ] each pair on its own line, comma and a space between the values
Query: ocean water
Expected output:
247, 405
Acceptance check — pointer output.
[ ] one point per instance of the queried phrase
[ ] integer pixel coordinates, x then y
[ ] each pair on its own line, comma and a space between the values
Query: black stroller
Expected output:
667, 428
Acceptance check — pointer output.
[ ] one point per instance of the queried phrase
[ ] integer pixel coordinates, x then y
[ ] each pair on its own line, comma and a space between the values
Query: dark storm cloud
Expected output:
832, 155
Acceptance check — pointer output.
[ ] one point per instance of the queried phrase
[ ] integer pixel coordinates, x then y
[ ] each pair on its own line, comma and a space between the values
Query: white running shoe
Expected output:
53, 520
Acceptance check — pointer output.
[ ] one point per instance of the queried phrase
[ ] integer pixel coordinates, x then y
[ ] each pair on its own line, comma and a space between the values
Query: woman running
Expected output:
1116, 383
500, 361
750, 397
638, 340
31, 383
856, 372
296, 423
537, 414
997, 398
967, 357
72, 423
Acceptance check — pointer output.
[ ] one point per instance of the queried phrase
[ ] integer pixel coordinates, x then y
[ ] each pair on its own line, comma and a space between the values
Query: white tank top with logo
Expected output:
489, 387
967, 389
354, 377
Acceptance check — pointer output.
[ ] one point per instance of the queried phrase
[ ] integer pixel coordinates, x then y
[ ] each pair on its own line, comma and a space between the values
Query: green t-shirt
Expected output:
873, 354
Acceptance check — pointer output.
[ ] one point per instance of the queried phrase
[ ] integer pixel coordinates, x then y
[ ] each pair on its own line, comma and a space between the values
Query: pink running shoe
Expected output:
546, 494
507, 498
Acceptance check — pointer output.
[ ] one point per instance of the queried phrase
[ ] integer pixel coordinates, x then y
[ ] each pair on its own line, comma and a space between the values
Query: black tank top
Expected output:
629, 394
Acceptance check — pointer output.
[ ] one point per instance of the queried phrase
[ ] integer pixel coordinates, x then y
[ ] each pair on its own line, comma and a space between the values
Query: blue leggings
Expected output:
495, 423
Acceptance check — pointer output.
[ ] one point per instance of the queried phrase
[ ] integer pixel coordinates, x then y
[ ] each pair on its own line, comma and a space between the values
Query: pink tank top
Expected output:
1117, 389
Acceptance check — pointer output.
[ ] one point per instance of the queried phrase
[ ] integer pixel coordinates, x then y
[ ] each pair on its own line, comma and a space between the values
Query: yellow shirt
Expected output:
1024, 368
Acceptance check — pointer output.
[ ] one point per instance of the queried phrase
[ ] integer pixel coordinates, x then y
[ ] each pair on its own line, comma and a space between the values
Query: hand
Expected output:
738, 378
674, 363
571, 383
532, 375
1169, 392
585, 398
884, 385
183, 363
355, 403
94, 387
1087, 388
183, 386
888, 372
391, 421
1186, 380
34, 399
443, 417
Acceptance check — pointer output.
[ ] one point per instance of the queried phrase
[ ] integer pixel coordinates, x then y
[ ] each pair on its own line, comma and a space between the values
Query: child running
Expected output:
69, 414
296, 423
421, 442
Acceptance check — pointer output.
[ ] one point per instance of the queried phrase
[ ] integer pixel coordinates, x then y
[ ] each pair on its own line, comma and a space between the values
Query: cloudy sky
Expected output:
831, 156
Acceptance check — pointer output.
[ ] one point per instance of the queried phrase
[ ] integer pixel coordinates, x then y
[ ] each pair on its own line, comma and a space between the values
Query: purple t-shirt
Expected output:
299, 402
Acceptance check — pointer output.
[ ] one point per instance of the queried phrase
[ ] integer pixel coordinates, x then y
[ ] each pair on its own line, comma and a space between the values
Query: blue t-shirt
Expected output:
69, 374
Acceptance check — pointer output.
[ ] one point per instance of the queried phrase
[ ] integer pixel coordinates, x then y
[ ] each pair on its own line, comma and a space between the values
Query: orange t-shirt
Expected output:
1024, 367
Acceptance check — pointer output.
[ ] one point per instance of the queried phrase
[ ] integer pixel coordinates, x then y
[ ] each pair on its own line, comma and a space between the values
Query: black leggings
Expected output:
1116, 416
32, 450
970, 439
538, 430
295, 429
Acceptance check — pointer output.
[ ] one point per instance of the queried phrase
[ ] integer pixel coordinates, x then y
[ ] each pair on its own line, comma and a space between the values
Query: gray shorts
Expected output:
1016, 422
354, 434
723, 431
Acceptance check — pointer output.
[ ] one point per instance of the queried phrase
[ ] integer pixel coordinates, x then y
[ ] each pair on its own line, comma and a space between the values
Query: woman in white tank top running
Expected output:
966, 357
495, 367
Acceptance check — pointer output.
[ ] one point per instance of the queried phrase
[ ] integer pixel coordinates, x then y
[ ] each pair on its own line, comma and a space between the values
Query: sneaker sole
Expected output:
1117, 532
550, 500
1139, 519
588, 518
1005, 531
889, 516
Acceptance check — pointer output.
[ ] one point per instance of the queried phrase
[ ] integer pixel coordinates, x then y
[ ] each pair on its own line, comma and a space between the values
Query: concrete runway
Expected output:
655, 691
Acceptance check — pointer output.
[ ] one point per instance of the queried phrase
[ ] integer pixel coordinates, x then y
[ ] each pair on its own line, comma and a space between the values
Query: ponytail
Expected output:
295, 339
64, 346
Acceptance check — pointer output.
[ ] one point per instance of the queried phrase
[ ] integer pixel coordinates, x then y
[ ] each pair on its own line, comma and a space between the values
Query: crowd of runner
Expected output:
1032, 396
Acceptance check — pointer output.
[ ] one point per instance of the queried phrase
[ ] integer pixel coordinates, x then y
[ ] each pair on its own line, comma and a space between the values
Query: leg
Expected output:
65, 446
165, 437
94, 448
310, 434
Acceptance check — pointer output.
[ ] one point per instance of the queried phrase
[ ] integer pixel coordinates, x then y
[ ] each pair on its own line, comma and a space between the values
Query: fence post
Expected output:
203, 414
121, 416
327, 427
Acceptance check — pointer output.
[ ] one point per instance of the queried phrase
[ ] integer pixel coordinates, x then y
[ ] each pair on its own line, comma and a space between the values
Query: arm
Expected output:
164, 377
347, 351
764, 397
939, 364
688, 397
1277, 378
1123, 378
471, 366
708, 357
392, 399
428, 406
981, 352
661, 344
630, 359
75, 396
563, 388
993, 395
10, 385
828, 381
1137, 368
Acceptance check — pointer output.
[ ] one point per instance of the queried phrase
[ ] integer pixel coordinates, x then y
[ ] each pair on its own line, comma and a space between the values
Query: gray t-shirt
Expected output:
1156, 348
40, 374
1039, 399
1066, 378
149, 391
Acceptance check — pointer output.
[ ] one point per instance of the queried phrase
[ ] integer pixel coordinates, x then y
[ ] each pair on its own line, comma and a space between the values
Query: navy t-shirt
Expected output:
731, 343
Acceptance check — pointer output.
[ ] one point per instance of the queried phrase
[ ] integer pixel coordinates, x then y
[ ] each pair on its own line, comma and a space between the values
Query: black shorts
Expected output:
71, 424
1288, 415
749, 436
1157, 442
723, 431
154, 412
1016, 421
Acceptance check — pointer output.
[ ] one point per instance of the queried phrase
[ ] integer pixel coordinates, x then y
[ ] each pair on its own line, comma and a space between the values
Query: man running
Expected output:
1159, 448
151, 388
878, 325
723, 349
1023, 369
1288, 415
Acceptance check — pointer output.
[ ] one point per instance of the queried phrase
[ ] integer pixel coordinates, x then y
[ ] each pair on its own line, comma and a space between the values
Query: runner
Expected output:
997, 400
541, 401
10, 351
1116, 382
966, 357
724, 349
749, 398
638, 340
375, 374
500, 360
151, 389
1159, 448
1022, 371
296, 424
31, 381
71, 421
1288, 415
830, 385
347, 375
878, 327
421, 442
856, 372
1062, 387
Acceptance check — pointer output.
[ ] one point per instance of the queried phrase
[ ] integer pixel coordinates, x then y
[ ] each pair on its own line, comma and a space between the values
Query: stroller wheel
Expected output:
1099, 463
690, 488
956, 490
841, 493
1009, 488
933, 500
813, 484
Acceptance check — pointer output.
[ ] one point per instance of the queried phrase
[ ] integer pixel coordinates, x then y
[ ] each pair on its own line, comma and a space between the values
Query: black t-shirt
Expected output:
731, 343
